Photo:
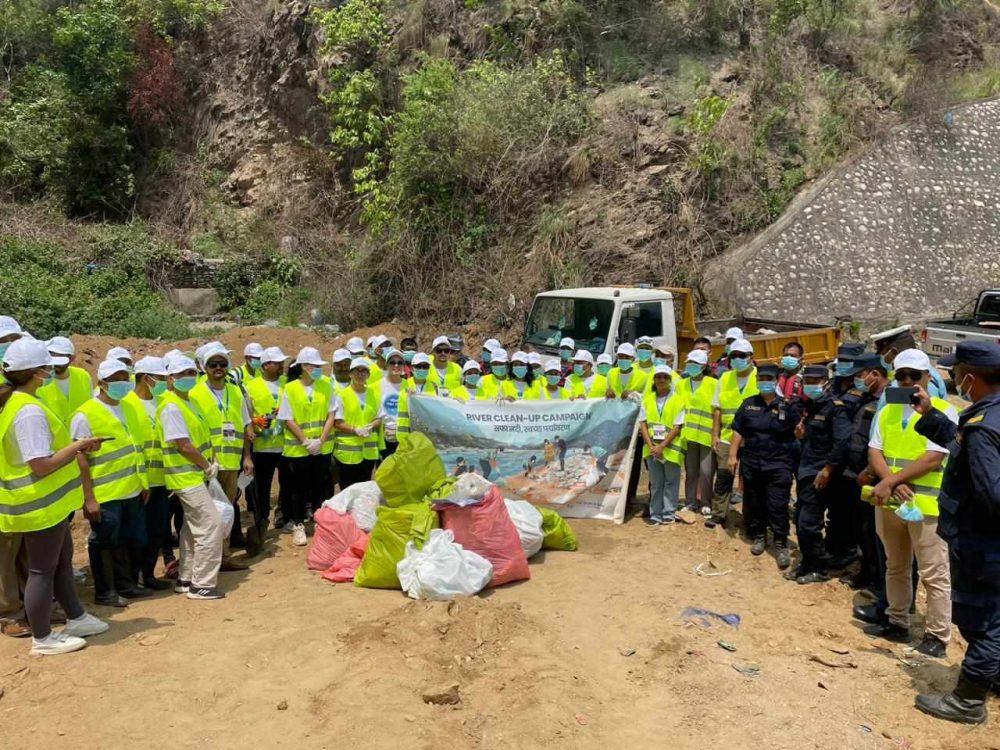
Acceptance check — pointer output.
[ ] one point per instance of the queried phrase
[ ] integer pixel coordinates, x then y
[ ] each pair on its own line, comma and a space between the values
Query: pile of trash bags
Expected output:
433, 536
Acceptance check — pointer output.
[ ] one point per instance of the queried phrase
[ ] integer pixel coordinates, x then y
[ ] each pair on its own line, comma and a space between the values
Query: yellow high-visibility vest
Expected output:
698, 410
220, 409
117, 468
310, 414
146, 437
81, 390
731, 397
179, 472
672, 407
901, 446
452, 376
598, 386
635, 380
353, 449
264, 403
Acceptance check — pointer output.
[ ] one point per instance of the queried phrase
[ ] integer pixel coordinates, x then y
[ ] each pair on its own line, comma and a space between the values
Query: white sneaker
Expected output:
288, 528
84, 625
57, 643
299, 536
706, 511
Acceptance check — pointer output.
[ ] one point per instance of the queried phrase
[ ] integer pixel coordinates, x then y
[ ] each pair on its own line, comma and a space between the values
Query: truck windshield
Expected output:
989, 308
586, 321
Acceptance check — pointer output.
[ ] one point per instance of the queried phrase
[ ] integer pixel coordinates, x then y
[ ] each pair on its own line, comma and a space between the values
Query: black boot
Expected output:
966, 704
123, 575
103, 570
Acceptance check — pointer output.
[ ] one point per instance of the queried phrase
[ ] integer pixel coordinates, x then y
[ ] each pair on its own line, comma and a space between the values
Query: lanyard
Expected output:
223, 409
659, 409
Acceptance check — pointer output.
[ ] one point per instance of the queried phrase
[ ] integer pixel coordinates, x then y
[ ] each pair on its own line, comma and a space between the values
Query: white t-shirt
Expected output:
660, 402
174, 426
63, 385
521, 386
741, 383
390, 407
150, 406
441, 371
31, 437
79, 428
876, 436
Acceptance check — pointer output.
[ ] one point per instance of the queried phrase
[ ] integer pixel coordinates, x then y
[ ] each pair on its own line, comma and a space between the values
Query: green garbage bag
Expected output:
394, 527
558, 534
440, 490
408, 474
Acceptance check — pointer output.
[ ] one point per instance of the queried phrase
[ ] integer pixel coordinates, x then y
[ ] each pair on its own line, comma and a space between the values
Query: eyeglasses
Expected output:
909, 376
217, 365
395, 363
422, 367
441, 350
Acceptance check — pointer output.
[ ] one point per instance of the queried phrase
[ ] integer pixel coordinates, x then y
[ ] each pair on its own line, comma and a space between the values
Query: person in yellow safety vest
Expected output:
910, 469
71, 386
567, 348
122, 355
120, 483
357, 422
41, 484
496, 384
471, 378
735, 385
551, 390
306, 406
419, 383
252, 353
698, 387
381, 345
341, 369
150, 385
536, 365
626, 379
582, 381
525, 385
189, 462
265, 394
644, 361
390, 390
661, 418
444, 373
228, 417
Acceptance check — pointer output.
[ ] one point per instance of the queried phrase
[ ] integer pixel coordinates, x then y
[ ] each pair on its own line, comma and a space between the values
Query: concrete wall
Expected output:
908, 231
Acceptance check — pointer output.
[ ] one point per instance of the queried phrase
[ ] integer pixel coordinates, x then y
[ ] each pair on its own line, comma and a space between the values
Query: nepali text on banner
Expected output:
571, 456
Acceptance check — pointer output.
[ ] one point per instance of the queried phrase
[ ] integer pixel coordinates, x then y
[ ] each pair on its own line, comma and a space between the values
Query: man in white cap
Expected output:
380, 346
444, 373
228, 418
265, 393
487, 355
583, 382
188, 463
252, 353
722, 363
120, 482
71, 387
624, 378
498, 383
910, 469
567, 347
341, 370
736, 384
355, 346
889, 343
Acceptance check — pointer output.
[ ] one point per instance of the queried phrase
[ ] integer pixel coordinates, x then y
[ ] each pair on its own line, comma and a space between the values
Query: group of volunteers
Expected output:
140, 451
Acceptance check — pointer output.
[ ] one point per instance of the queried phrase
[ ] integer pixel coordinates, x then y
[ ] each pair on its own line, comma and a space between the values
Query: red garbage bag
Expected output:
334, 534
486, 529
345, 566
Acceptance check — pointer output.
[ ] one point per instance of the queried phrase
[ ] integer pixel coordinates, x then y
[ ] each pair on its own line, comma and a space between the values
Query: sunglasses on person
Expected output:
396, 363
442, 350
217, 364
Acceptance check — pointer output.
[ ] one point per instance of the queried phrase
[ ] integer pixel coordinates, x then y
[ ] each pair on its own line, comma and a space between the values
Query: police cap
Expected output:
850, 352
868, 361
767, 371
974, 354
815, 371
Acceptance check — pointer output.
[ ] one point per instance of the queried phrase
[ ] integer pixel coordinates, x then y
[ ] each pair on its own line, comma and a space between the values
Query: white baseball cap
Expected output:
626, 349
582, 355
179, 364
742, 346
534, 358
470, 366
309, 356
26, 354
666, 349
661, 370
272, 354
355, 345
381, 341
499, 356
734, 333
371, 340
519, 356
644, 341
215, 349
491, 344
150, 366
420, 359
61, 346
172, 353
118, 352
360, 363
911, 359
392, 351
698, 356
253, 349
604, 359
553, 364
341, 354
567, 343
440, 341
9, 326
109, 367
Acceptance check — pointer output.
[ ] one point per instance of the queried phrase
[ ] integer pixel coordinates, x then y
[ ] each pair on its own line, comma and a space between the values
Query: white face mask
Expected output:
964, 394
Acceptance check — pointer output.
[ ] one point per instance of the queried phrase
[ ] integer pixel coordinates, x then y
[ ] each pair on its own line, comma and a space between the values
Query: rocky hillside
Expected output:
444, 161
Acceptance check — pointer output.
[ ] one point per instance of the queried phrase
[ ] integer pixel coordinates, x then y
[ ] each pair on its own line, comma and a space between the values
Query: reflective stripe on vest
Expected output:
403, 415
179, 472
29, 502
148, 442
228, 451
117, 468
353, 449
671, 410
310, 414
698, 414
730, 399
901, 446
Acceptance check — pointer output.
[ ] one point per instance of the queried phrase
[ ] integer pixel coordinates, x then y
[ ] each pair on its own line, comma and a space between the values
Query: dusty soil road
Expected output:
590, 653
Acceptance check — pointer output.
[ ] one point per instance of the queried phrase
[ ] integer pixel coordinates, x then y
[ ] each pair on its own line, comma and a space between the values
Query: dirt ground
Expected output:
592, 652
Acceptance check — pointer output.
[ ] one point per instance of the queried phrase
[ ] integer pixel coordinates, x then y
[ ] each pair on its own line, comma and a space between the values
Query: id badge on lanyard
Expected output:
659, 432
228, 431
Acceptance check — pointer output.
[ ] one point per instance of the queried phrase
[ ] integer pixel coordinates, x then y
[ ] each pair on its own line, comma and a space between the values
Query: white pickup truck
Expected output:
940, 337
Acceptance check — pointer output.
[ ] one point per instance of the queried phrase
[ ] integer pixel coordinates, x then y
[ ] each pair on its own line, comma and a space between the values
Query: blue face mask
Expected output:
789, 363
159, 388
500, 371
537, 369
659, 362
578, 370
553, 379
644, 355
739, 363
254, 364
472, 380
565, 354
843, 369
4, 348
603, 369
767, 387
421, 374
316, 373
964, 395
910, 513
812, 391
119, 390
861, 385
886, 364
693, 369
408, 356
183, 385
487, 356
624, 365
520, 371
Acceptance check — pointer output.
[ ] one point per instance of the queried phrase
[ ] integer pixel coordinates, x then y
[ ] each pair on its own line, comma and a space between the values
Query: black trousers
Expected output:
811, 523
355, 473
310, 479
390, 448
980, 626
766, 494
842, 533
157, 530
872, 571
265, 465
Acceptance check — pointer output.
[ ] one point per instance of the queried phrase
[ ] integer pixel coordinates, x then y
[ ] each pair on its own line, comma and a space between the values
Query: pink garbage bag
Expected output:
345, 566
334, 534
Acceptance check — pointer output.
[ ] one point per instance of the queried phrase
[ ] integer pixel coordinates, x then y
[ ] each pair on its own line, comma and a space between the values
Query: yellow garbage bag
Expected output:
409, 473
558, 534
394, 527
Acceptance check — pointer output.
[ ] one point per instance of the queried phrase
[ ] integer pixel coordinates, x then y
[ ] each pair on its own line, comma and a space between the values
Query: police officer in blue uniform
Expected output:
846, 367
763, 443
825, 430
970, 522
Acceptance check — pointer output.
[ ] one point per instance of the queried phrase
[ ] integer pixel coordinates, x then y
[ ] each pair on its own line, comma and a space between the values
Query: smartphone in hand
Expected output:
899, 395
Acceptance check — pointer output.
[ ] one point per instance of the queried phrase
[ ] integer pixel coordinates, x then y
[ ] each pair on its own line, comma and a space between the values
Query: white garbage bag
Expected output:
468, 490
528, 522
442, 570
224, 506
360, 500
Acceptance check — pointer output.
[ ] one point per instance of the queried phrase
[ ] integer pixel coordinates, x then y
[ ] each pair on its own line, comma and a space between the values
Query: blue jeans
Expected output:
123, 522
664, 487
